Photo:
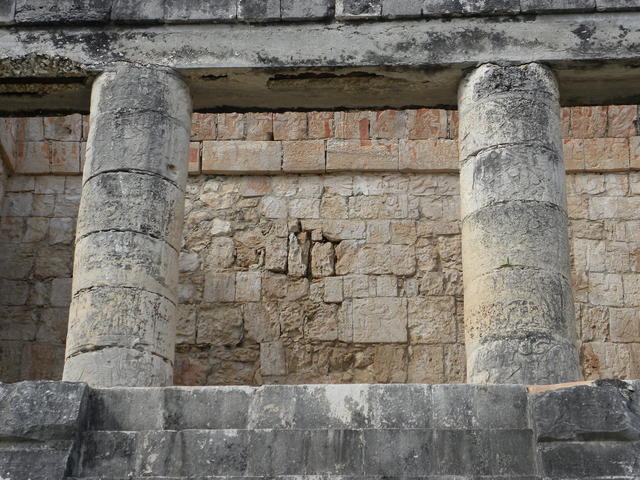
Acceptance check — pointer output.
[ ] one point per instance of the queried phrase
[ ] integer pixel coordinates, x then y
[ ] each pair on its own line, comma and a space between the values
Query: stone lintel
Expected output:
279, 66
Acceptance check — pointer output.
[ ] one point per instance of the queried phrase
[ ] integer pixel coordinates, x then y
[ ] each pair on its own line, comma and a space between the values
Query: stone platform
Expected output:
58, 430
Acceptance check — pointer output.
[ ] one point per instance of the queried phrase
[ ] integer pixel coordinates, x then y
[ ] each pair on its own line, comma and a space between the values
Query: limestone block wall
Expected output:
336, 260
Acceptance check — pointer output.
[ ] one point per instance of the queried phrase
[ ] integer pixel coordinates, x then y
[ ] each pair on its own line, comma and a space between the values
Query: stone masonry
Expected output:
124, 294
245, 317
519, 312
64, 430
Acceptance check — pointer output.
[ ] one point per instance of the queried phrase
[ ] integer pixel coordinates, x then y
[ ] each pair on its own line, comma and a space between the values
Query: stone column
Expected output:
123, 309
518, 306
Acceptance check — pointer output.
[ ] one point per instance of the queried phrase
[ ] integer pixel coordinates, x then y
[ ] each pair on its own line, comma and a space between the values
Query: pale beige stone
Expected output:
322, 259
260, 323
375, 259
219, 287
305, 156
188, 262
386, 286
337, 230
631, 283
390, 364
273, 207
625, 325
334, 207
276, 252
220, 325
272, 358
304, 208
455, 368
333, 292
248, 286
221, 253
241, 157
359, 155
186, 324
432, 155
606, 289
432, 320
403, 232
378, 231
219, 227
359, 286
379, 320
298, 255
322, 323
426, 364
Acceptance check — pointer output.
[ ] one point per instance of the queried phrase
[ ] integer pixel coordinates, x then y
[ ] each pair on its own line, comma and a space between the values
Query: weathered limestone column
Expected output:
518, 305
122, 317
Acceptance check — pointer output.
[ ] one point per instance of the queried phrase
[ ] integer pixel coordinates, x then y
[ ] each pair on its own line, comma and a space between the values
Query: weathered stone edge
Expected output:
30, 12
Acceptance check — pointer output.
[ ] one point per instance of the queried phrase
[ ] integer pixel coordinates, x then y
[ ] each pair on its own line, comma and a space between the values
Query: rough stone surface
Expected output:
519, 316
122, 315
305, 9
197, 11
252, 217
585, 413
27, 11
41, 422
70, 431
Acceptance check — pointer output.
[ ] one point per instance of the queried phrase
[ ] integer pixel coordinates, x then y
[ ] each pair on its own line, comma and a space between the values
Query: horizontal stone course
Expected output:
597, 139
356, 432
584, 413
183, 11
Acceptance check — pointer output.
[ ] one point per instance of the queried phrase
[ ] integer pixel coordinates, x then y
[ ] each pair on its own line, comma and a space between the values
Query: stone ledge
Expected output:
32, 12
361, 431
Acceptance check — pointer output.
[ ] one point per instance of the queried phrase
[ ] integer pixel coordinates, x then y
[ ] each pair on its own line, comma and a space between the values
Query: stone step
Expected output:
345, 477
311, 407
276, 452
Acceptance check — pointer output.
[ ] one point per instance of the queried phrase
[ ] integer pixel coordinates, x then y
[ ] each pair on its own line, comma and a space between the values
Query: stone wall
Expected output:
337, 260
65, 430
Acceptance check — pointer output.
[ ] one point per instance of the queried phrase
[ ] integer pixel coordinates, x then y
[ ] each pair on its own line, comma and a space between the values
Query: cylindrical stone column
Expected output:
518, 306
122, 316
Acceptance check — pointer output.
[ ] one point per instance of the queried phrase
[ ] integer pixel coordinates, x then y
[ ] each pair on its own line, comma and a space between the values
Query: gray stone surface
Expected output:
7, 12
535, 6
259, 10
360, 432
590, 459
34, 461
530, 234
122, 315
401, 8
118, 366
67, 11
153, 11
138, 11
190, 11
519, 317
41, 411
39, 424
586, 413
397, 63
126, 201
103, 317
490, 7
473, 407
355, 9
499, 175
604, 5
125, 259
305, 9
